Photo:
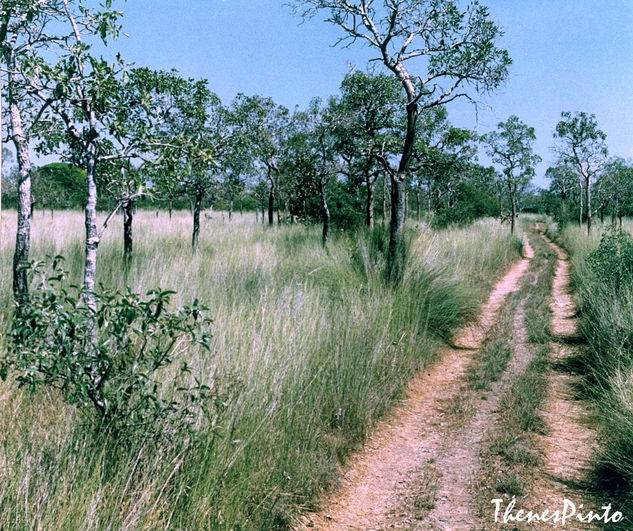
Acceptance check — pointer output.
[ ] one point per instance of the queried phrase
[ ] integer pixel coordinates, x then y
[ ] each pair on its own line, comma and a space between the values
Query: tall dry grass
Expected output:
310, 347
607, 326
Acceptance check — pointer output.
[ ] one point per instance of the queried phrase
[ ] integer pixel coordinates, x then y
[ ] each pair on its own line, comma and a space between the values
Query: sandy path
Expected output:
461, 459
570, 444
381, 477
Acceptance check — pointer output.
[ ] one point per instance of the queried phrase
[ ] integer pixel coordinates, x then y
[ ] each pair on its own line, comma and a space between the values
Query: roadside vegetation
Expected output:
208, 369
602, 267
309, 348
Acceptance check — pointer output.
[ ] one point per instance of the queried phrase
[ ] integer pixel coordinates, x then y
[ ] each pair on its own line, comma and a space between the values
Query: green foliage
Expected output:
471, 203
60, 186
113, 372
511, 147
612, 261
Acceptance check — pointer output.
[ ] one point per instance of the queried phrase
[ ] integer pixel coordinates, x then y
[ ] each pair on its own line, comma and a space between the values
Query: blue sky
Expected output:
568, 55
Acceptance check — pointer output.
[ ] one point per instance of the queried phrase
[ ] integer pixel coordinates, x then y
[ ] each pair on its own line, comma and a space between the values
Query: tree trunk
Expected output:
514, 212
326, 213
271, 205
580, 204
588, 202
231, 210
271, 198
171, 208
397, 251
418, 197
369, 220
197, 204
92, 237
613, 212
384, 200
23, 232
406, 203
128, 216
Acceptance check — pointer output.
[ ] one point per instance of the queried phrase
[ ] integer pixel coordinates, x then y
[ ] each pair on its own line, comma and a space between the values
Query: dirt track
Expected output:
419, 469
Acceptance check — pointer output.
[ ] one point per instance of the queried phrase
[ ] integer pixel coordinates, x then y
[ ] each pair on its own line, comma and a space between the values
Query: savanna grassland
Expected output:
310, 347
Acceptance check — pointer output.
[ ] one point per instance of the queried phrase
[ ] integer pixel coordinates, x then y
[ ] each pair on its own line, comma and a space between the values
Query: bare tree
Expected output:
456, 45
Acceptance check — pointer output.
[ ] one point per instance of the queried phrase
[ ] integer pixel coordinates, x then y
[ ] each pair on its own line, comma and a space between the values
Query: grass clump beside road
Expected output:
309, 348
603, 279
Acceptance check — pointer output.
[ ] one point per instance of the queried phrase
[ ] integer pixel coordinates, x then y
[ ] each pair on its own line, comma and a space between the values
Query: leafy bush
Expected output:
612, 261
109, 361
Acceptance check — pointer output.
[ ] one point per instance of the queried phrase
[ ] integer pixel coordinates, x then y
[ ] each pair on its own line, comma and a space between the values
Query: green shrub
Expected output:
108, 361
612, 261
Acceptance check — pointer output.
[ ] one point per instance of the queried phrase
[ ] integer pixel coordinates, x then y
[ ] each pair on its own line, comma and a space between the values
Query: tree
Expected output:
458, 47
311, 153
511, 147
192, 134
563, 185
80, 93
264, 125
59, 185
440, 156
134, 144
237, 164
616, 181
582, 146
25, 32
369, 115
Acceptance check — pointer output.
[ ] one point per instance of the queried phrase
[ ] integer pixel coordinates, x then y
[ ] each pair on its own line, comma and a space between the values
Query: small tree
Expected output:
369, 118
563, 181
582, 145
459, 48
511, 147
616, 182
111, 372
192, 134
28, 30
264, 125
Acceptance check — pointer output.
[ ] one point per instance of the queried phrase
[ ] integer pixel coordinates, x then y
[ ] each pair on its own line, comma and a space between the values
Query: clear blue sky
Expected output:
567, 55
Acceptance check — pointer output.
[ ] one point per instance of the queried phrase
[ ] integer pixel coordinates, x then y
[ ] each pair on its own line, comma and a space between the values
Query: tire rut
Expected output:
570, 444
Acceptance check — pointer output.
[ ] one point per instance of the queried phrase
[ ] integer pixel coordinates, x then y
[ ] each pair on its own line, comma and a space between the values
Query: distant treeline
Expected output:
61, 186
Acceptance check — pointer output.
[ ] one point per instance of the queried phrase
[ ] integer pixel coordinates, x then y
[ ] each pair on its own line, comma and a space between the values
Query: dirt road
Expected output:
422, 468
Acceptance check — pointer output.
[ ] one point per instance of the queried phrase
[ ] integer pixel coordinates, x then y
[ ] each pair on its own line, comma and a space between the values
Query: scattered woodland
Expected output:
208, 306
